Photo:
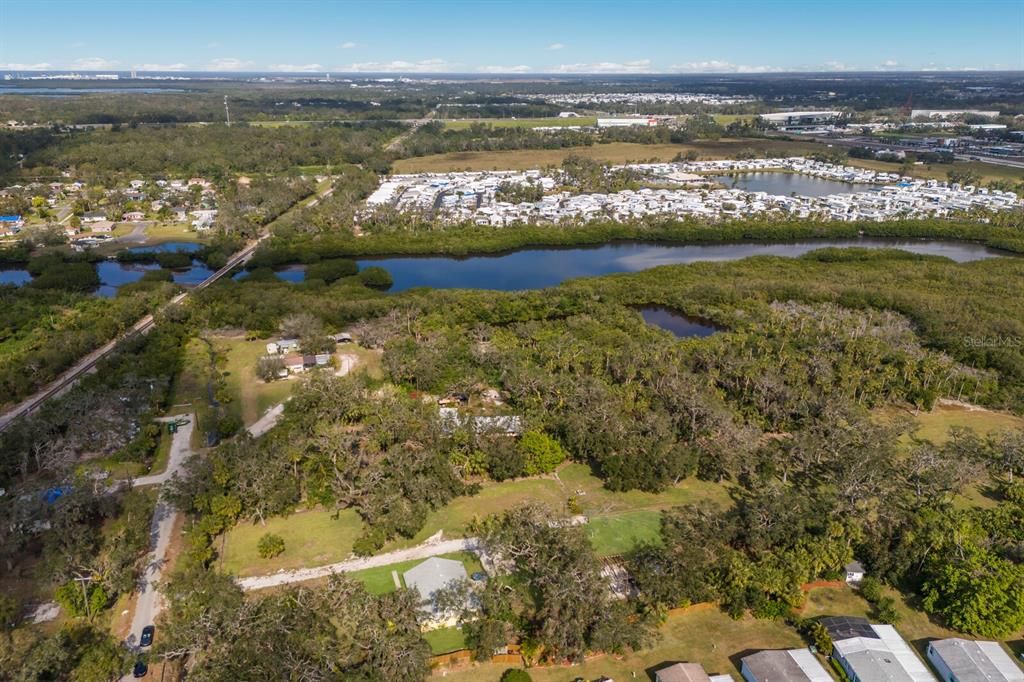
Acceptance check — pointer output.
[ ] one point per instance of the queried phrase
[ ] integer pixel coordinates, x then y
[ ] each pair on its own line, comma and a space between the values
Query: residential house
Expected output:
104, 226
272, 348
293, 362
287, 345
94, 216
430, 577
869, 652
687, 672
792, 665
322, 359
133, 216
964, 660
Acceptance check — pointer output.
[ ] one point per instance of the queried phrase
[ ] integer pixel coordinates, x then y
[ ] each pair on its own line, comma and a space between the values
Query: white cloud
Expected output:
160, 67
839, 66
401, 66
635, 66
94, 64
42, 66
556, 46
294, 68
521, 68
227, 64
889, 64
348, 45
721, 66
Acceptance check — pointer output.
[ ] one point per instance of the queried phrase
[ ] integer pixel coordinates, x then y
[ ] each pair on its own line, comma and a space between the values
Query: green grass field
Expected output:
252, 396
706, 636
619, 533
311, 538
615, 152
380, 580
445, 640
462, 124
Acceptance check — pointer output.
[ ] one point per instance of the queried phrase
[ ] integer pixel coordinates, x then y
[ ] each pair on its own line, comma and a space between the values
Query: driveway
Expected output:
148, 605
424, 551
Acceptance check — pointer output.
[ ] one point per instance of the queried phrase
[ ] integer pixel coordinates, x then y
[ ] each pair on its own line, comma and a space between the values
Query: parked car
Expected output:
140, 669
147, 635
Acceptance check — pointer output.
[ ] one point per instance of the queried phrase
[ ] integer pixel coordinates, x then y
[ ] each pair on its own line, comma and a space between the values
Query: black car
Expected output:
147, 636
140, 669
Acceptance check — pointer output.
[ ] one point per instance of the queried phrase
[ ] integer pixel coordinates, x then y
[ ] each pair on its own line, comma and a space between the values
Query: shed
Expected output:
854, 571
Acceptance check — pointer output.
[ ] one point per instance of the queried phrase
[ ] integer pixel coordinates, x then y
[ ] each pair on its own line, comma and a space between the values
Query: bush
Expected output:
542, 453
516, 675
269, 367
332, 270
885, 611
370, 541
376, 278
871, 589
270, 545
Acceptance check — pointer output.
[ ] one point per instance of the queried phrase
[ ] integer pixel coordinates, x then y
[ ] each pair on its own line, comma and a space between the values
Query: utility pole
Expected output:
227, 112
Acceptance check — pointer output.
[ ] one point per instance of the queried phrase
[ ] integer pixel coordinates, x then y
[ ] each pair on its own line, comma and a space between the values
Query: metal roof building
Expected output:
963, 660
883, 656
433, 575
793, 665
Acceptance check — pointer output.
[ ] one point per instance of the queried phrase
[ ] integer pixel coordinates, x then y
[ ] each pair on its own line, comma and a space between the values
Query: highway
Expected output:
86, 364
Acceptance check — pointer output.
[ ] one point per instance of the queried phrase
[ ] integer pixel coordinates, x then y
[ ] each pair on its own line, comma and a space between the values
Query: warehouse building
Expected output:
942, 114
799, 120
626, 122
793, 665
963, 660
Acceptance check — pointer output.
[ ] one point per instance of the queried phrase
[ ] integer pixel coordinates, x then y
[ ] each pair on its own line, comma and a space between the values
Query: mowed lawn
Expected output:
251, 395
619, 520
615, 152
311, 538
916, 626
703, 635
380, 580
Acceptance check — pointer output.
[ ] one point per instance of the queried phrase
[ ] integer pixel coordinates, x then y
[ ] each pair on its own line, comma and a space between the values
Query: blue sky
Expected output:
520, 36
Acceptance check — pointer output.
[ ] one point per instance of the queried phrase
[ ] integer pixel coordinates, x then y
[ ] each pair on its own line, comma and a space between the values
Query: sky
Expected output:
511, 36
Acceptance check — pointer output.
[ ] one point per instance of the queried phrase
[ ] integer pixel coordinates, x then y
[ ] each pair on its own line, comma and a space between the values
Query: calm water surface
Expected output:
539, 268
785, 184
681, 325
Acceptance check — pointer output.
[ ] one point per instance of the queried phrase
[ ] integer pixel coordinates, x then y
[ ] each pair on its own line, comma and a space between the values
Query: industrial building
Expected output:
792, 665
626, 122
871, 652
942, 114
963, 660
800, 120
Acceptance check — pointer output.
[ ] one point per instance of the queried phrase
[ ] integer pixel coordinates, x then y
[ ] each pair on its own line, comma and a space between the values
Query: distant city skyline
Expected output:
521, 37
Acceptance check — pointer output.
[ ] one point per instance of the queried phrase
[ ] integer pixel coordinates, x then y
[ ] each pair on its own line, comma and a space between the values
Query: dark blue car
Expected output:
140, 669
147, 636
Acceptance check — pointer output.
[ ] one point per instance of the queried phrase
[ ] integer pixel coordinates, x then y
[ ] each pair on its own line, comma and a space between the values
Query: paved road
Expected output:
148, 605
180, 451
424, 551
416, 125
267, 421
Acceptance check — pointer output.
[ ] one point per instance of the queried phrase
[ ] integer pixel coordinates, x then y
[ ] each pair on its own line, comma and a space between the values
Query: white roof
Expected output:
885, 659
973, 661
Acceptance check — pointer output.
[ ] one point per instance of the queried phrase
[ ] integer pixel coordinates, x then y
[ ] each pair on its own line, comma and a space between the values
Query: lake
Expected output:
168, 247
677, 323
539, 268
785, 184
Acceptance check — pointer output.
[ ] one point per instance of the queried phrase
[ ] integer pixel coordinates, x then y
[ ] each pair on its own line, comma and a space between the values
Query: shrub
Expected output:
871, 589
270, 545
885, 611
376, 278
516, 675
331, 270
543, 453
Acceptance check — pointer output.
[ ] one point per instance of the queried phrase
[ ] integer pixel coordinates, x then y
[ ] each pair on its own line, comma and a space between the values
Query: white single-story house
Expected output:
94, 216
964, 660
429, 578
854, 572
784, 665
134, 216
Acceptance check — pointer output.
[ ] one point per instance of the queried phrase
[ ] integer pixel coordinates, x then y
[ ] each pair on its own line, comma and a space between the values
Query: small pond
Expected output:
682, 326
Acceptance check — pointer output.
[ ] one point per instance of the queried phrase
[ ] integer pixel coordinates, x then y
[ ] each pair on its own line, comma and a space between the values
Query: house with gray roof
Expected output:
687, 672
964, 660
429, 578
874, 652
792, 665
